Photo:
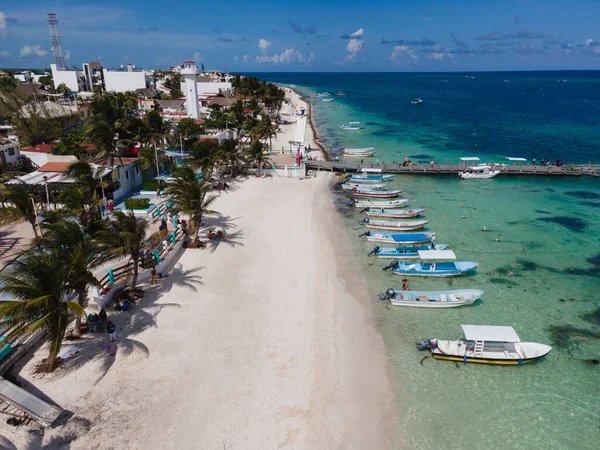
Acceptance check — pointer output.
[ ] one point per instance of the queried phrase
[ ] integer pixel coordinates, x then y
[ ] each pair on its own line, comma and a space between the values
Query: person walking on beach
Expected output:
405, 284
111, 329
111, 207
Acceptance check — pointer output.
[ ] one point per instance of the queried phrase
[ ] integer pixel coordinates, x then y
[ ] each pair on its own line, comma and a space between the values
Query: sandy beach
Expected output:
264, 341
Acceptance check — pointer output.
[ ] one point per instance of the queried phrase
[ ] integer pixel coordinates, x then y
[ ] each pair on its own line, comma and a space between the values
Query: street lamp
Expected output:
46, 186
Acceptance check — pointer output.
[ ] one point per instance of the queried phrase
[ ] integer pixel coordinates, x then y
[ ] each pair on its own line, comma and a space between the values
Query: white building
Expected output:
210, 87
94, 75
9, 152
191, 89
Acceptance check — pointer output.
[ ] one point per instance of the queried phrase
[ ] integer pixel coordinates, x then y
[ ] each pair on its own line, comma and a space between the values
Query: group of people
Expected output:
218, 236
107, 209
146, 259
546, 162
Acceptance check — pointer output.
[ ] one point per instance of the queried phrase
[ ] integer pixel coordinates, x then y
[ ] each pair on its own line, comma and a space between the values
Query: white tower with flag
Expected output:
189, 72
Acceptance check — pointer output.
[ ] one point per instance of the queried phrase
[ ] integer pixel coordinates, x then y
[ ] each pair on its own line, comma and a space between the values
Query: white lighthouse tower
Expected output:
191, 89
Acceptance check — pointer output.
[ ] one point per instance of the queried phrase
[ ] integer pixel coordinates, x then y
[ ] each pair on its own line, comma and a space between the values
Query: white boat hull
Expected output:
436, 299
396, 226
476, 176
395, 214
375, 187
398, 203
503, 353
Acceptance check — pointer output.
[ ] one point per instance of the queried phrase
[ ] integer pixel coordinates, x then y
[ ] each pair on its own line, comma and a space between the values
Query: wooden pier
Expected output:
451, 169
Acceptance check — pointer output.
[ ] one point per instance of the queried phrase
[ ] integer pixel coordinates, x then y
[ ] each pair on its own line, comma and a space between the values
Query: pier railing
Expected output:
442, 169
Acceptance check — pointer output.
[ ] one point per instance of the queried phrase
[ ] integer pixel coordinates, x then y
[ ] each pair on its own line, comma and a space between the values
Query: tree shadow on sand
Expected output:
226, 223
231, 239
96, 346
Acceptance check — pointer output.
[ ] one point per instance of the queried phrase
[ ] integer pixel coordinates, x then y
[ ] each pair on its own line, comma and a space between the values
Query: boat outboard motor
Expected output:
352, 203
375, 250
365, 209
366, 233
365, 220
387, 294
429, 344
391, 265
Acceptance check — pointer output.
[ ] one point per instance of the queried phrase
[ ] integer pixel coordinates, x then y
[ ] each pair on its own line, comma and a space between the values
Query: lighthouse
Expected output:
189, 71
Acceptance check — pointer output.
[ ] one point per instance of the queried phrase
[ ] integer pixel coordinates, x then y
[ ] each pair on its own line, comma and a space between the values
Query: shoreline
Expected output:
243, 345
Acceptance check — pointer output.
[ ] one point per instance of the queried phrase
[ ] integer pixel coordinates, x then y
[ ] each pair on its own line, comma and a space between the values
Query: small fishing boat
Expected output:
351, 127
354, 123
328, 99
366, 178
360, 155
349, 186
404, 252
410, 239
340, 94
368, 203
376, 194
479, 172
394, 213
416, 101
442, 264
394, 225
486, 344
349, 151
432, 299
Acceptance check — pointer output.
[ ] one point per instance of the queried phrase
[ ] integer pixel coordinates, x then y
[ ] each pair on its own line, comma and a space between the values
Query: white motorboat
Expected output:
327, 99
350, 186
432, 299
351, 127
376, 194
486, 344
340, 94
406, 239
416, 101
395, 225
360, 155
393, 213
365, 203
350, 151
479, 172
366, 178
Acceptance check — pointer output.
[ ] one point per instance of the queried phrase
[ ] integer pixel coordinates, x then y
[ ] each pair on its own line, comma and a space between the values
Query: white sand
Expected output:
274, 349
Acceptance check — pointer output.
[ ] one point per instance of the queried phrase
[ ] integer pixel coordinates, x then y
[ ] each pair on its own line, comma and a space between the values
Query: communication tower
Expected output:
59, 59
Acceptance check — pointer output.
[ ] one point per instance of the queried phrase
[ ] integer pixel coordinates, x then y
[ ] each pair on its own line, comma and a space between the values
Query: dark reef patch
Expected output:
504, 281
586, 195
541, 211
421, 156
571, 223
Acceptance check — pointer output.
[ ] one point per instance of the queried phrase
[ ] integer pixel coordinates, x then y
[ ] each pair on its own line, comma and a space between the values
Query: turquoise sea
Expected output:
541, 248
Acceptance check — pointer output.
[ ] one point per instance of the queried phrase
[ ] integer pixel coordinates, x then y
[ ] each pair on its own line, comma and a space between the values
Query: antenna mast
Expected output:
59, 59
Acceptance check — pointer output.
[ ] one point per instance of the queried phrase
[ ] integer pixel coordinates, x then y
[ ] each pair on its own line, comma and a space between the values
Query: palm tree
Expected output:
230, 157
191, 197
39, 283
125, 237
79, 252
21, 209
257, 156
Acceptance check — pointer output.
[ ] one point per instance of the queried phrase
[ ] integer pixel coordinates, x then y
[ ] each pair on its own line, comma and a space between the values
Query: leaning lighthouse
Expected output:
191, 89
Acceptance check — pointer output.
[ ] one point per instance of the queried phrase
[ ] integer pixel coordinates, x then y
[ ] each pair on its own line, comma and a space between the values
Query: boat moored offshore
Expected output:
376, 194
350, 186
441, 263
404, 252
432, 299
486, 344
366, 178
394, 213
368, 203
410, 239
395, 225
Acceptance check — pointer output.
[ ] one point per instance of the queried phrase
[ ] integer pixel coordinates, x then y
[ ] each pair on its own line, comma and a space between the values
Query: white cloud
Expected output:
3, 24
436, 53
67, 55
4, 54
264, 44
354, 45
246, 58
32, 50
288, 56
403, 53
236, 59
197, 57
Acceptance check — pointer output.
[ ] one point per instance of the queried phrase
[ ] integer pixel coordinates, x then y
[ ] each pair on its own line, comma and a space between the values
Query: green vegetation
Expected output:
173, 83
70, 145
137, 203
153, 185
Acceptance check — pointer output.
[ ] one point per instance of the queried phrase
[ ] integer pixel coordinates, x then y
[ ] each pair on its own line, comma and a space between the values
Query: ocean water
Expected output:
541, 247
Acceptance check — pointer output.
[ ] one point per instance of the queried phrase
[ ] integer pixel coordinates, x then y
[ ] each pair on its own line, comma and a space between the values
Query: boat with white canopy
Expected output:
367, 178
486, 344
364, 154
394, 213
368, 203
409, 239
436, 263
469, 160
479, 172
432, 299
394, 225
353, 151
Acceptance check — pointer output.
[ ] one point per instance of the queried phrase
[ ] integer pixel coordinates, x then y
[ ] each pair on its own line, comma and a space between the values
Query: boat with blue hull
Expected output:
432, 299
436, 263
410, 239
404, 252
370, 176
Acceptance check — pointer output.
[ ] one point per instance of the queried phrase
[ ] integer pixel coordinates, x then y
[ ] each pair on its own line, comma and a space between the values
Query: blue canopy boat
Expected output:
432, 299
410, 239
404, 252
443, 265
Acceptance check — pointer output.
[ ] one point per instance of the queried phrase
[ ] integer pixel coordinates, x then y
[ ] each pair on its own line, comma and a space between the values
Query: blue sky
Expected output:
326, 35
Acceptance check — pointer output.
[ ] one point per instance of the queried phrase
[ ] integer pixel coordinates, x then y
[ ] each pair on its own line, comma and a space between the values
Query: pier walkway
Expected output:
451, 169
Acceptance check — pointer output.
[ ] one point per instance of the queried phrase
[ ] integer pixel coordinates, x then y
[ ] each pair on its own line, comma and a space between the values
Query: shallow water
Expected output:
540, 248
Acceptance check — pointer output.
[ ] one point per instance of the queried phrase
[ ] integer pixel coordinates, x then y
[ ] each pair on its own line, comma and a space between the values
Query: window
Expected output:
11, 151
137, 169
127, 174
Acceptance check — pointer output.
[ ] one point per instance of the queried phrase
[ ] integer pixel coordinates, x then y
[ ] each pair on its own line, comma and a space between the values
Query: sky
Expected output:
308, 35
